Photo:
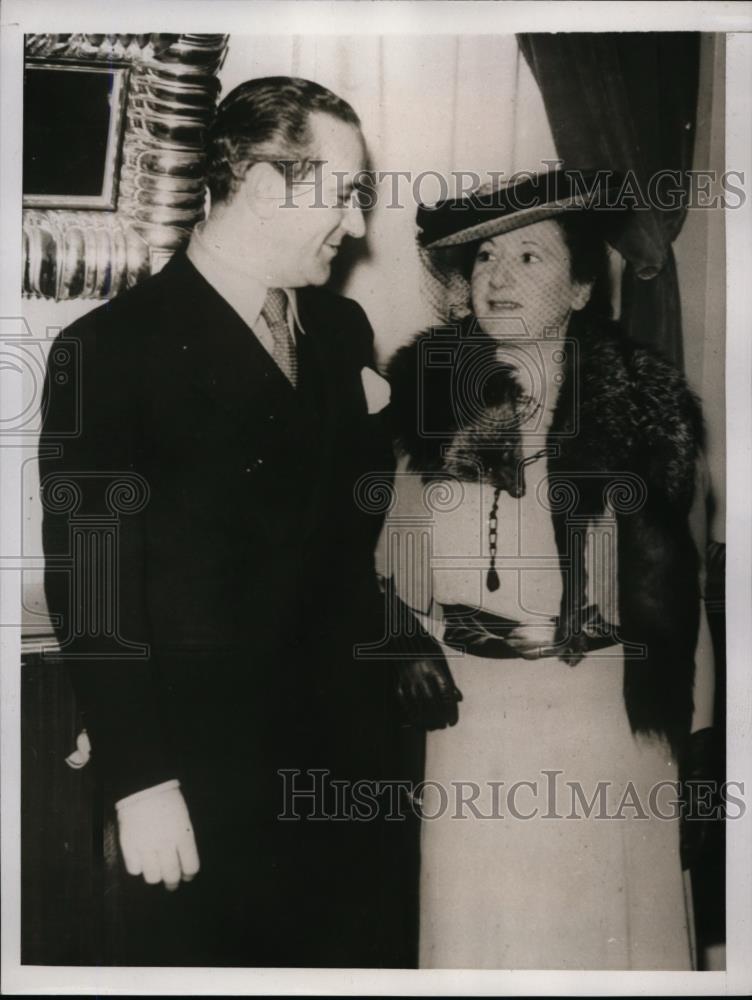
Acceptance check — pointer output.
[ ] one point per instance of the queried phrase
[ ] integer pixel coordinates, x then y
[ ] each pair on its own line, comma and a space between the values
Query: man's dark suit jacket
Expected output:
245, 565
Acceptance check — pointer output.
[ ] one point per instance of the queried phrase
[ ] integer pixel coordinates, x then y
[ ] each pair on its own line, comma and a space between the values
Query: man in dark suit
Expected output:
224, 423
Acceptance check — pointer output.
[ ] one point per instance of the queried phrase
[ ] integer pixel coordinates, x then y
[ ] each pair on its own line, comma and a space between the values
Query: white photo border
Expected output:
387, 17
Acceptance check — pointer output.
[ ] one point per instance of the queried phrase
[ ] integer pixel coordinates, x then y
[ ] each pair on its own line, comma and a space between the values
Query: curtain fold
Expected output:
627, 102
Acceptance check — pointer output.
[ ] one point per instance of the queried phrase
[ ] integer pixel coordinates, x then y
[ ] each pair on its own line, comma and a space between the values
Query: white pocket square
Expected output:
377, 390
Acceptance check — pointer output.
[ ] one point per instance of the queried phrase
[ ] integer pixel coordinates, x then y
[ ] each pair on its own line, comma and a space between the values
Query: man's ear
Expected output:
581, 296
263, 189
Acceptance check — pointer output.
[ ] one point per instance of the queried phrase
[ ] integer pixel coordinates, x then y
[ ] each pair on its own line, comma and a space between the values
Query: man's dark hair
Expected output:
267, 120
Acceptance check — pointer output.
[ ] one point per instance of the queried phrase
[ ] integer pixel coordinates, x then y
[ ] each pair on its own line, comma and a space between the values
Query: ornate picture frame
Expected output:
160, 189
68, 106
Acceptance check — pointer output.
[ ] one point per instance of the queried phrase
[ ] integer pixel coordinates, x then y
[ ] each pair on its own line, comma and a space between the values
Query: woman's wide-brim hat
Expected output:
525, 199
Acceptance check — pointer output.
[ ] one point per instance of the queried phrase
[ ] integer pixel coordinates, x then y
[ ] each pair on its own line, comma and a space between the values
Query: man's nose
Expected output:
353, 222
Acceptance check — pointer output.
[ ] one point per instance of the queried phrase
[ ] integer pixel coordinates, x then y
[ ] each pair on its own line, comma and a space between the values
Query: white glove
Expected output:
156, 836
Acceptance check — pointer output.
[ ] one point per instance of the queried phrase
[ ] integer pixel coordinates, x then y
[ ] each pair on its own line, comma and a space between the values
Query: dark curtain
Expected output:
626, 102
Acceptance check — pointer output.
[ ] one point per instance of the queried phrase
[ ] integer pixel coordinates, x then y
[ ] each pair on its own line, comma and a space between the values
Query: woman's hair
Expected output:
588, 259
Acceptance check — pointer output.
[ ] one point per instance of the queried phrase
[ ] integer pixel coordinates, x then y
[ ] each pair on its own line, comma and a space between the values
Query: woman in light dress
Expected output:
540, 535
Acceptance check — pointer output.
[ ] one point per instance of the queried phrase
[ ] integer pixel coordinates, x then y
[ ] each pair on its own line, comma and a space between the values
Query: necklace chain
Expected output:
492, 577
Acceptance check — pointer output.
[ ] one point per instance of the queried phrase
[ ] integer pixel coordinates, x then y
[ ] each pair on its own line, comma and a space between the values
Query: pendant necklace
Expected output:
492, 576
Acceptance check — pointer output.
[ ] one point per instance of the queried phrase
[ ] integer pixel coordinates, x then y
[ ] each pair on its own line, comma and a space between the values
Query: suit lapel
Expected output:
298, 442
248, 405
225, 361
322, 349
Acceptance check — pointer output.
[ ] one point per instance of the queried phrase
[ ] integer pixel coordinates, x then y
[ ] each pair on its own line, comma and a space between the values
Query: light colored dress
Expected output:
562, 889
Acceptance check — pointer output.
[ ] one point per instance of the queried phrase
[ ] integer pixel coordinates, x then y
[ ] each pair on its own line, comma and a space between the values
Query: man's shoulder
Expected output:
134, 312
327, 314
330, 304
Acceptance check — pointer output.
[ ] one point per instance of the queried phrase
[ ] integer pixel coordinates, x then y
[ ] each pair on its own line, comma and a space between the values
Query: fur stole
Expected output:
626, 432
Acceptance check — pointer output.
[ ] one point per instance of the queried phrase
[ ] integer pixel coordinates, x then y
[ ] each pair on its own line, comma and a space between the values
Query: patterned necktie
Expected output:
284, 351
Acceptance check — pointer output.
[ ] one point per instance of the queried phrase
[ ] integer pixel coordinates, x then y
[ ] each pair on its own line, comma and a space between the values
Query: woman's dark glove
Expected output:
427, 694
698, 777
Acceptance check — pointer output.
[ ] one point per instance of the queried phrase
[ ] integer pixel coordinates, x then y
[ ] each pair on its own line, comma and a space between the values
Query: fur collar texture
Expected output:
626, 431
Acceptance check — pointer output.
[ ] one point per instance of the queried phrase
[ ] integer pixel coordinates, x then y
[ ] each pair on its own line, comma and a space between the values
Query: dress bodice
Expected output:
436, 545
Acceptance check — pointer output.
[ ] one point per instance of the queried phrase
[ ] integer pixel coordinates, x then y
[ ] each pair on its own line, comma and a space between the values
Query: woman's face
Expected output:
521, 285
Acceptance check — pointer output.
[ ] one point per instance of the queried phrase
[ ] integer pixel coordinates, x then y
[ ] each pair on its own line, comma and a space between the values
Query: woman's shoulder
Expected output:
418, 348
419, 400
432, 383
612, 360
631, 396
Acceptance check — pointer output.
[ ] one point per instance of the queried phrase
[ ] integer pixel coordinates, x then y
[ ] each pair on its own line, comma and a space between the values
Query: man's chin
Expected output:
320, 276
312, 279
